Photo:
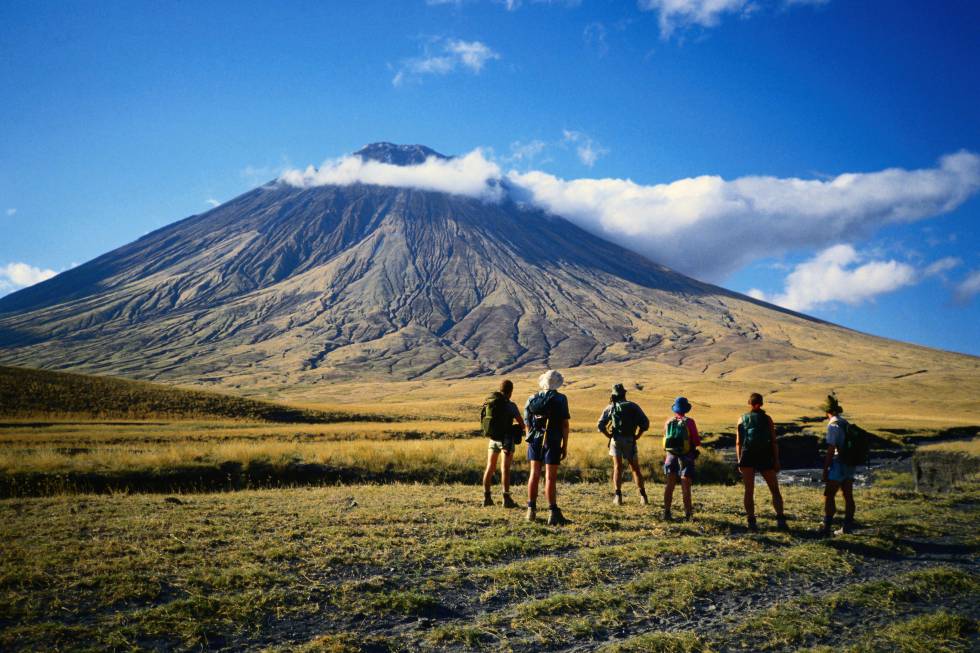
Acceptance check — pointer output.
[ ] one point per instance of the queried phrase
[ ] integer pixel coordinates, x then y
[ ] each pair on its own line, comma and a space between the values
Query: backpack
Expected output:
756, 435
537, 412
622, 421
856, 448
496, 418
677, 437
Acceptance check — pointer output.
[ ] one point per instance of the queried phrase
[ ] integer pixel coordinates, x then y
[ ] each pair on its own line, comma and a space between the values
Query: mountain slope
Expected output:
287, 284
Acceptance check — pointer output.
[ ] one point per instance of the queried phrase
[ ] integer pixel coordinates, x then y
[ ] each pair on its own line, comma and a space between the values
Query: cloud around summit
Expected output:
706, 226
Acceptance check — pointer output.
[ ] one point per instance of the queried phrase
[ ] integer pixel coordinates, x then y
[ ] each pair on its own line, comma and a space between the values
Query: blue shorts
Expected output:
682, 466
839, 472
545, 450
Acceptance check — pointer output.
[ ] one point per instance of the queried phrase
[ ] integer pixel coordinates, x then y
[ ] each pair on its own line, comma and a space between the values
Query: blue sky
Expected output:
118, 118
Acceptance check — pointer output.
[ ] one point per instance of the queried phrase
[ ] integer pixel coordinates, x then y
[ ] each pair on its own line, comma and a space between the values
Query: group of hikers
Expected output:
545, 426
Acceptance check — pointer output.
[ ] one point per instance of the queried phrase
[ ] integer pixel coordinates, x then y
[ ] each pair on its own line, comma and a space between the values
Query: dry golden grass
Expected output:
971, 447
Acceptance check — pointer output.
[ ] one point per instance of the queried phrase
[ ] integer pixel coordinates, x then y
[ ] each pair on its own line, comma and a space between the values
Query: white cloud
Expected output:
944, 264
685, 13
708, 227
521, 152
587, 149
595, 36
450, 55
11, 212
969, 287
213, 202
14, 276
679, 14
472, 175
834, 275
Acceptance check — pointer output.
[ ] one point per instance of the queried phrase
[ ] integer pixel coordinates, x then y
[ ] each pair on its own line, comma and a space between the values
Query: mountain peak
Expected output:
399, 155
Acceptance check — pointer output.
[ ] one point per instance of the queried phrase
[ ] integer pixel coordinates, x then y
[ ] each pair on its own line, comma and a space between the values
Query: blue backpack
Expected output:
538, 411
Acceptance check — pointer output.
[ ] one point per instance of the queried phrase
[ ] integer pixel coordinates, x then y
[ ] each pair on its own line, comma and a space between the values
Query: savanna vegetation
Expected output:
421, 567
158, 560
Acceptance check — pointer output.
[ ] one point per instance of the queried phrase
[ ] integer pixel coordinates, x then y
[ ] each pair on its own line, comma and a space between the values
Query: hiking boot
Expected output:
688, 516
754, 527
643, 499
487, 499
781, 524
826, 529
556, 518
532, 514
667, 515
508, 501
846, 529
618, 499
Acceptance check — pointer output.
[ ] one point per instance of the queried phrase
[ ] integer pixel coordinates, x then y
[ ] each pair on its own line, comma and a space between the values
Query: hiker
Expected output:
501, 421
756, 451
681, 442
546, 416
623, 422
846, 448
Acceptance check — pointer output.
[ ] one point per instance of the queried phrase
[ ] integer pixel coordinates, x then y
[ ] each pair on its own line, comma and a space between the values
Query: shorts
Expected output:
545, 450
759, 464
682, 466
506, 446
839, 472
623, 447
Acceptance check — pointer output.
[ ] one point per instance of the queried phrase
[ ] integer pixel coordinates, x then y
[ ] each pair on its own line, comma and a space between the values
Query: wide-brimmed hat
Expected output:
619, 390
550, 380
681, 405
831, 405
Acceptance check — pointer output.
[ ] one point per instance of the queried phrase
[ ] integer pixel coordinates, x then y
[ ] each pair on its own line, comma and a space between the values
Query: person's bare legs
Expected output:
617, 479
847, 488
550, 484
686, 491
505, 471
748, 480
669, 483
491, 467
777, 497
533, 479
829, 505
638, 474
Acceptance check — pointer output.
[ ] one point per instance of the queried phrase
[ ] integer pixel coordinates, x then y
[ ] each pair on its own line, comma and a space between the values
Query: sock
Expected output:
620, 492
532, 504
552, 506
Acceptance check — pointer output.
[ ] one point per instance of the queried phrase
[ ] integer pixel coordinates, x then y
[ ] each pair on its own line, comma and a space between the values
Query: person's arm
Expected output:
604, 422
564, 438
692, 428
644, 423
738, 440
831, 449
517, 416
775, 445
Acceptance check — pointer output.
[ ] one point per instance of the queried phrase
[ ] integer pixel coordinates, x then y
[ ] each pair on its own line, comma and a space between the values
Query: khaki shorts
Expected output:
507, 447
623, 447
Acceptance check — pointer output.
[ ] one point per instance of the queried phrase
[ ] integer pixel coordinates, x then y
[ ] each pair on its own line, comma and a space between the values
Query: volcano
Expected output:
288, 284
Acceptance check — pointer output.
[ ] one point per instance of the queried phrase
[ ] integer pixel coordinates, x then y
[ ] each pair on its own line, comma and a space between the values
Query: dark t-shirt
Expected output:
557, 411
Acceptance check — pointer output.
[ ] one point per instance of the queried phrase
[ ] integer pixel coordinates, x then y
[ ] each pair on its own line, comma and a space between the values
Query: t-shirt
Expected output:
557, 410
631, 411
836, 432
692, 430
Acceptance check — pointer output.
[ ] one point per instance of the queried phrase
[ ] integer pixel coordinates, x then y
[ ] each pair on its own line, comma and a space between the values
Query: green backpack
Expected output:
496, 421
623, 424
756, 436
856, 447
677, 437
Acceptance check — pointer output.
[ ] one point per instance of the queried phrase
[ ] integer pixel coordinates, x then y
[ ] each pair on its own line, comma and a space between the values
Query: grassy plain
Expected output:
421, 567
